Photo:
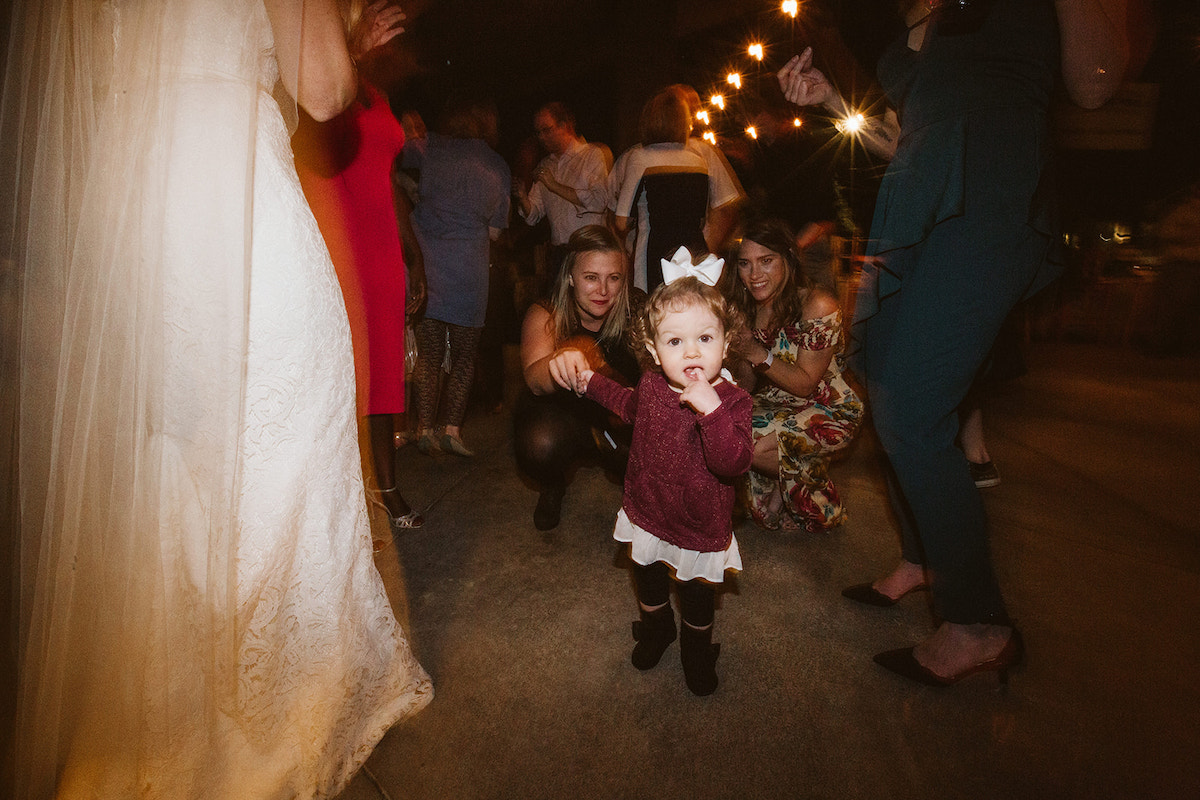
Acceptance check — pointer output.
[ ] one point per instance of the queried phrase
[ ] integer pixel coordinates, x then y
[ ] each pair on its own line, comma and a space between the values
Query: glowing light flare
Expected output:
734, 79
755, 51
710, 137
718, 101
702, 116
851, 124
797, 122
752, 132
1120, 234
790, 7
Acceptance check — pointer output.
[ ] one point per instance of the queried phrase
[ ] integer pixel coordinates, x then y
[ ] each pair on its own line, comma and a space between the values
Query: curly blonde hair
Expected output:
678, 295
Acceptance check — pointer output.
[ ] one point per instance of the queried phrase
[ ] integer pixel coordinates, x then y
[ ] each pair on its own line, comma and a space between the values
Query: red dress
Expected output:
345, 168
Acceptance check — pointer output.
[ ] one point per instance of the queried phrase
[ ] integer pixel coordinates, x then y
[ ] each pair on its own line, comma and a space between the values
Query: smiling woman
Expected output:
804, 410
583, 325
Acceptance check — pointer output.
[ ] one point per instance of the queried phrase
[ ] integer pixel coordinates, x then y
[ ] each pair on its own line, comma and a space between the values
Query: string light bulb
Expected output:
702, 116
755, 51
851, 124
797, 122
734, 79
718, 101
710, 137
752, 132
790, 7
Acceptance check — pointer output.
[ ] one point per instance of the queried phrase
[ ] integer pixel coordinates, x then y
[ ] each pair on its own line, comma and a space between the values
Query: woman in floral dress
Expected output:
804, 410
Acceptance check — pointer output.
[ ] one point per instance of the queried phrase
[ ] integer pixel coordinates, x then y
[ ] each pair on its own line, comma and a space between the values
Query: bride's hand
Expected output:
378, 25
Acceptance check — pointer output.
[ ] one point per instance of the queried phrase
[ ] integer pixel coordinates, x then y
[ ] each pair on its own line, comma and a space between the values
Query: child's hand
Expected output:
565, 366
701, 396
581, 381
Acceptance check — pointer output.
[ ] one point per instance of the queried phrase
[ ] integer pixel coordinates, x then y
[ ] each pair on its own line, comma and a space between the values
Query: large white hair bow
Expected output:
707, 271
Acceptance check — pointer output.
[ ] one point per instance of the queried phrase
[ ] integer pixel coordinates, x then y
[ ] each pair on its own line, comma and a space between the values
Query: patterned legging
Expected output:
431, 350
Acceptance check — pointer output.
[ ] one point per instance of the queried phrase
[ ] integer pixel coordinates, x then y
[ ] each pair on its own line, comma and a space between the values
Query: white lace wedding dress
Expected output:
201, 614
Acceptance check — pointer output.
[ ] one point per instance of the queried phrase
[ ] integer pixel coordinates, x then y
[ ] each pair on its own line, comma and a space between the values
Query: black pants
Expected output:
553, 433
921, 351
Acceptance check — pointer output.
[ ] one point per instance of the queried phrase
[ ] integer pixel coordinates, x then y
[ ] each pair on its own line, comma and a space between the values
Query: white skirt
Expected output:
646, 548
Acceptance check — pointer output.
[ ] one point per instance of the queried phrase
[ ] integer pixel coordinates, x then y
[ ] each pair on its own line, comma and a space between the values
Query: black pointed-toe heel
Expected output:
867, 594
904, 663
548, 512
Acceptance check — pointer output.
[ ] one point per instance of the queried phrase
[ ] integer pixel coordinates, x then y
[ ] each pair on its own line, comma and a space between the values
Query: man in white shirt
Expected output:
570, 186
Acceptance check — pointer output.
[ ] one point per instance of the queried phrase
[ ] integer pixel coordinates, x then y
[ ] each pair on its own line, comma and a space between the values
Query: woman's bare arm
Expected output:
537, 349
547, 367
1095, 49
802, 377
414, 259
805, 85
314, 61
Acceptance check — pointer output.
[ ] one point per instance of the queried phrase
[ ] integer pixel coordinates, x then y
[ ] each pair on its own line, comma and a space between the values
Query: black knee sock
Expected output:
653, 584
697, 603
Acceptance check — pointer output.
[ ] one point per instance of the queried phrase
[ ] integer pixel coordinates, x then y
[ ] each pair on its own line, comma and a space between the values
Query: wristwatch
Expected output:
766, 363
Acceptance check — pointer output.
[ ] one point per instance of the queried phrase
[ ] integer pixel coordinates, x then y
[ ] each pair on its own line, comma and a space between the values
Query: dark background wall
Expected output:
604, 57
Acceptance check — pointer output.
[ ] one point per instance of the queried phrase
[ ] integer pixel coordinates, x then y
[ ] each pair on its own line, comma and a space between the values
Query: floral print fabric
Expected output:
809, 429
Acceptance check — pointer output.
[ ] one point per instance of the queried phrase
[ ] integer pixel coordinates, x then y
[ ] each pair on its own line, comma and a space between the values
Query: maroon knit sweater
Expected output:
682, 466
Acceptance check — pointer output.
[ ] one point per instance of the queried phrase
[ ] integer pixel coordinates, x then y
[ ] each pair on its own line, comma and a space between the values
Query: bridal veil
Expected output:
195, 609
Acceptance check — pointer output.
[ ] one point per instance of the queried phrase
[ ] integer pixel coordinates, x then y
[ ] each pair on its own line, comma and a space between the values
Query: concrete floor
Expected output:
1097, 543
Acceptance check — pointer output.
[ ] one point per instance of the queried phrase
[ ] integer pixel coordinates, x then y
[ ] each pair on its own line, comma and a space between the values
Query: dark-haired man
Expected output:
570, 185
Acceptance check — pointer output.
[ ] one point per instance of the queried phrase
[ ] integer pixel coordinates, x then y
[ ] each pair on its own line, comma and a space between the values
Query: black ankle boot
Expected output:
548, 511
699, 657
654, 632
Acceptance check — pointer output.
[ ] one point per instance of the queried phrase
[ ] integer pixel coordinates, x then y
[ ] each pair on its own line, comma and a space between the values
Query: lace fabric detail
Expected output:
297, 634
201, 613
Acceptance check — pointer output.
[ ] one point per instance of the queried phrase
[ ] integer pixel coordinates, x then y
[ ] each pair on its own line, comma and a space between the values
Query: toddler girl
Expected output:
691, 439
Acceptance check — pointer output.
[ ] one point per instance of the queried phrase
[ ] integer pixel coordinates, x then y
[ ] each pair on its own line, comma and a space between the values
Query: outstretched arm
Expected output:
805, 85
546, 366
620, 400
